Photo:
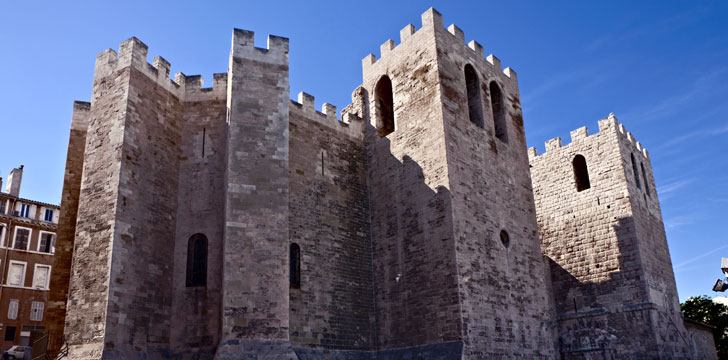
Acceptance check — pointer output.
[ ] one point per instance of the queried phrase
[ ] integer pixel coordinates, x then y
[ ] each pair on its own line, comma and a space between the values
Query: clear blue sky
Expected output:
661, 67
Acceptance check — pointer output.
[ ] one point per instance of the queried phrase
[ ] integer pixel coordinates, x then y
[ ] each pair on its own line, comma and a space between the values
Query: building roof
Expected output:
8, 196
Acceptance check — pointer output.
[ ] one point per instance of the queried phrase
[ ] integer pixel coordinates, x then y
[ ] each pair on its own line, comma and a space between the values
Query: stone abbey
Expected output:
230, 222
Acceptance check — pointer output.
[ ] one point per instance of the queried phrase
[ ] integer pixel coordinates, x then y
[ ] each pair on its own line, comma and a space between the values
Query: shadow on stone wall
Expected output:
613, 318
414, 273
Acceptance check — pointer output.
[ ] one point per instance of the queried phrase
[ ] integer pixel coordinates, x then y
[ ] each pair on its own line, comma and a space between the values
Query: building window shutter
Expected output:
40, 279
15, 276
13, 309
36, 311
21, 239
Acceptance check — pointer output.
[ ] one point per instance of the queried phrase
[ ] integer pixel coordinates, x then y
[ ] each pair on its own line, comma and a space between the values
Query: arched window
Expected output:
581, 173
295, 260
644, 177
497, 105
505, 239
475, 106
636, 174
197, 260
384, 106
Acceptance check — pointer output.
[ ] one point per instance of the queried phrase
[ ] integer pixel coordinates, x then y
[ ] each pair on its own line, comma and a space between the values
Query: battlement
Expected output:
350, 123
432, 21
605, 125
194, 90
133, 53
243, 46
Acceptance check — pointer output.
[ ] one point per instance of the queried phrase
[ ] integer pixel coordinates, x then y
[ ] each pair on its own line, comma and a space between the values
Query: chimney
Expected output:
1, 184
14, 179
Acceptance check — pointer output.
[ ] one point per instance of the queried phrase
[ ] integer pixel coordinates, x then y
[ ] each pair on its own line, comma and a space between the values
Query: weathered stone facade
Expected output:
604, 241
233, 223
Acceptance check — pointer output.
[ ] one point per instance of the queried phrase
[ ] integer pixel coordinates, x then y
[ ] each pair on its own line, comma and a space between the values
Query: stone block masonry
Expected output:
604, 239
230, 222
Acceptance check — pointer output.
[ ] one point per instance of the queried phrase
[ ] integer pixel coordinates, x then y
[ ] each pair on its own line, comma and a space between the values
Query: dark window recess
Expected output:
46, 242
581, 173
505, 239
322, 164
498, 107
636, 174
197, 261
48, 215
295, 260
10, 333
644, 177
384, 106
475, 103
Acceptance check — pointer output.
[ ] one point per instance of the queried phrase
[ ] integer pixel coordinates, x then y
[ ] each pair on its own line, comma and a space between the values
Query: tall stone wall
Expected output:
89, 283
333, 307
670, 334
505, 313
255, 294
196, 311
415, 276
63, 256
596, 250
120, 291
145, 222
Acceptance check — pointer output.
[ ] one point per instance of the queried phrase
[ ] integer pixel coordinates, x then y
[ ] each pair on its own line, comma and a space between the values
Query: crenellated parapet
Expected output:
194, 89
477, 49
133, 53
432, 22
350, 123
243, 45
608, 124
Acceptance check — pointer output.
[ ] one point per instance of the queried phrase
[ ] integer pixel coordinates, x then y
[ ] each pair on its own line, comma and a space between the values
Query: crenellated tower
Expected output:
603, 236
453, 218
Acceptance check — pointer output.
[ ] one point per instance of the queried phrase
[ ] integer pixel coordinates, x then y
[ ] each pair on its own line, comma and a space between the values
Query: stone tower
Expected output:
601, 230
454, 227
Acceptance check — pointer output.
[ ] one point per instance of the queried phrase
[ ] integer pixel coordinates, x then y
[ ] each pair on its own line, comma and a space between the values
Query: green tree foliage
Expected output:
705, 310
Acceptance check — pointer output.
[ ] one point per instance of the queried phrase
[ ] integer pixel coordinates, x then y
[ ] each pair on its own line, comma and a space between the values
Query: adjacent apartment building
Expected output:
27, 240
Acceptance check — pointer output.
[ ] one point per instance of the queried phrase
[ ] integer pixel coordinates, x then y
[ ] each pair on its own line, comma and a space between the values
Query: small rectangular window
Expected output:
48, 215
22, 238
36, 311
40, 277
2, 206
13, 309
47, 242
24, 210
10, 333
16, 273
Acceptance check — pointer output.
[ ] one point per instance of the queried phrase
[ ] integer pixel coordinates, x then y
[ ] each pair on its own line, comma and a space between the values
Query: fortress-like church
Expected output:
229, 222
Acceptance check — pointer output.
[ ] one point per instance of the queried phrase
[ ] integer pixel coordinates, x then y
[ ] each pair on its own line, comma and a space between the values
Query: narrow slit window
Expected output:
644, 177
295, 259
384, 106
204, 133
581, 173
475, 106
636, 174
197, 261
498, 107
